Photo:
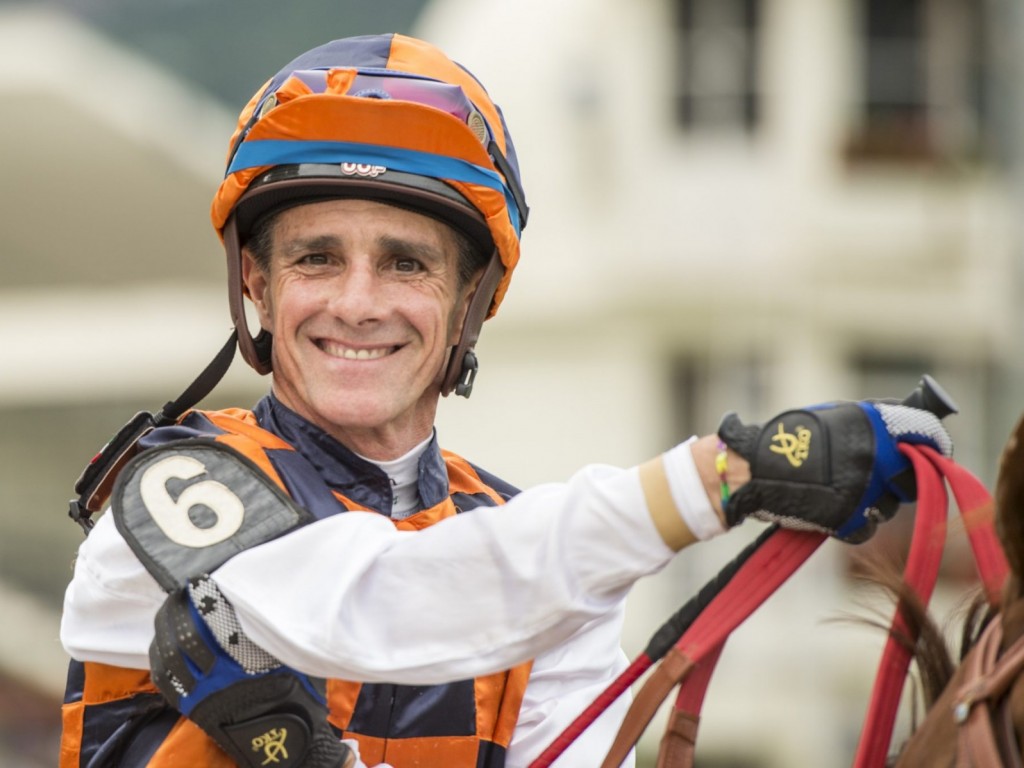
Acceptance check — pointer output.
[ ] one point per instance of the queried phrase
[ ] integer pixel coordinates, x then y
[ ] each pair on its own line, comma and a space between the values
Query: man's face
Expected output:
363, 301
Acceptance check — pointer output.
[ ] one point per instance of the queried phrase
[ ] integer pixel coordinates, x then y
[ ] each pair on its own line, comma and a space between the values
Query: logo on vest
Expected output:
362, 169
795, 447
272, 744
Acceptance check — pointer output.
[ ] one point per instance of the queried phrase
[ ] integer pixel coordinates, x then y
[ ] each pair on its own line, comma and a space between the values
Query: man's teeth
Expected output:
347, 353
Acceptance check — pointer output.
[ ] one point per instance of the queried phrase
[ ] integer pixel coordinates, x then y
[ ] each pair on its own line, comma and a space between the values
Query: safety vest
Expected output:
115, 716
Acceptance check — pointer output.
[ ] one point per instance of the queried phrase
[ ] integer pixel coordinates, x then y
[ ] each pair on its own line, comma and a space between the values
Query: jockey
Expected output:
315, 581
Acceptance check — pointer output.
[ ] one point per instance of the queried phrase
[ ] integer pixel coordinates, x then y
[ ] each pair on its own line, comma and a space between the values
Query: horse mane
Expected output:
1009, 505
934, 739
935, 660
931, 653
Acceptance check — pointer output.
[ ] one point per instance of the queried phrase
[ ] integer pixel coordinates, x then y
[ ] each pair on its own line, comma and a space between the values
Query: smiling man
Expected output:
315, 581
364, 300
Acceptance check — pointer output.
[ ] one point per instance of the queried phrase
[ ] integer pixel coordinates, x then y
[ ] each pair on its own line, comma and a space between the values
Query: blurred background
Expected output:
736, 205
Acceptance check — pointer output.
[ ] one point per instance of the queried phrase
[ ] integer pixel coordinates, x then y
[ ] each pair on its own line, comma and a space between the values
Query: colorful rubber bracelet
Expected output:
721, 465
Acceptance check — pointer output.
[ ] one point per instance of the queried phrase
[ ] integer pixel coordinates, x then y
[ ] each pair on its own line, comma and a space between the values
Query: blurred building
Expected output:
111, 300
736, 205
748, 205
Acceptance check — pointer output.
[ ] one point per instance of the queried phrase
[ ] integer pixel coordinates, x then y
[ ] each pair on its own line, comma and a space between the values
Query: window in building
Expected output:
704, 388
717, 70
923, 80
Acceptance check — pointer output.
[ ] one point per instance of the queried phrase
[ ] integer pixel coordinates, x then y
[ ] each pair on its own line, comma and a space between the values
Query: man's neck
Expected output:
403, 473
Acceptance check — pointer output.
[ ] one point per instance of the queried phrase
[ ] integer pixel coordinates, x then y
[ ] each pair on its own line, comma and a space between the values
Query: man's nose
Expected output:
357, 296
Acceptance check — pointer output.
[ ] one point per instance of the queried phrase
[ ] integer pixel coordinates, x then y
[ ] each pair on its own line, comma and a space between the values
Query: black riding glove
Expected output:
833, 468
257, 710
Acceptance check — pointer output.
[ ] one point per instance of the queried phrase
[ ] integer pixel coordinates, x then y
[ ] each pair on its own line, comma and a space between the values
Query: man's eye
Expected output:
315, 259
407, 265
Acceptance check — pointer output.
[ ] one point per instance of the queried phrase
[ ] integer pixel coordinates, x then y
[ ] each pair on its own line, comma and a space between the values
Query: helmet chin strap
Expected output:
255, 350
462, 362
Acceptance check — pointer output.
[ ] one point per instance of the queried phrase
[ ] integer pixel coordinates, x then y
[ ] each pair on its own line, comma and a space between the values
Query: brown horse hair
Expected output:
931, 653
1009, 504
932, 656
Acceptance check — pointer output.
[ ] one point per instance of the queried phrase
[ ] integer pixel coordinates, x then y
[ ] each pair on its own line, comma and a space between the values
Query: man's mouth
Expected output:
353, 353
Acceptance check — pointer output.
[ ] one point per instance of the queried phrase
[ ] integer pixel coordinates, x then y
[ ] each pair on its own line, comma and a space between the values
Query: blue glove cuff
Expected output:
225, 670
888, 463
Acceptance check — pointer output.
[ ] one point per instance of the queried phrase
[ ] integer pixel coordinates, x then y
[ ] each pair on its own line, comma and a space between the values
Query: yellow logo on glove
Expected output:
272, 744
795, 447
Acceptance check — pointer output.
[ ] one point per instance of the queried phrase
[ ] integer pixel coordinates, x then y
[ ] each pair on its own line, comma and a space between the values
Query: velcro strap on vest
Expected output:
187, 507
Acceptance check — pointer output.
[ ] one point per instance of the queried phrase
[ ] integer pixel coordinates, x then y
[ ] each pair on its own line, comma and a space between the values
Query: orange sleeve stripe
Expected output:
187, 744
499, 698
341, 701
104, 683
72, 718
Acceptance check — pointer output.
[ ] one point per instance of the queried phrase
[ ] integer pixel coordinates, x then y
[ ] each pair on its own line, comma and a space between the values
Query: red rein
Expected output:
690, 662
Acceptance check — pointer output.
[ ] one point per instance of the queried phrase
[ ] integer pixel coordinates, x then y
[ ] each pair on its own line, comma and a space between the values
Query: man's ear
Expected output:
462, 306
256, 285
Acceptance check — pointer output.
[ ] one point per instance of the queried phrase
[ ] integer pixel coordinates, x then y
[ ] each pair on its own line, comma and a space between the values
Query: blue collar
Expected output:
355, 478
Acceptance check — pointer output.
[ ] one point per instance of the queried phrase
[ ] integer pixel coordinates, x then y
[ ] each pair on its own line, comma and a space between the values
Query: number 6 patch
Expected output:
187, 507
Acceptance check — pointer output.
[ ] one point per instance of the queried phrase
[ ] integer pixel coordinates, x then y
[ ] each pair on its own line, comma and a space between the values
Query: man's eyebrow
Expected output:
386, 243
416, 248
307, 244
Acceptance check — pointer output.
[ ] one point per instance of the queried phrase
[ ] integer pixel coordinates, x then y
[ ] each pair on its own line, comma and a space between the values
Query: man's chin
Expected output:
360, 409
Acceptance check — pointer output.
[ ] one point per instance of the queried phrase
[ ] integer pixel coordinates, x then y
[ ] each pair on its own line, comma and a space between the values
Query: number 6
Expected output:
171, 515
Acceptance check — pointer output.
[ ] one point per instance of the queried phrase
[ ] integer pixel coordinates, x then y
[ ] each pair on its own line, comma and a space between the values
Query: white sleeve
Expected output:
351, 597
565, 681
111, 602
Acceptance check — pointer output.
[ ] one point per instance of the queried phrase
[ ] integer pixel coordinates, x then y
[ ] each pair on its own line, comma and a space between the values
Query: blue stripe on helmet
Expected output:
261, 152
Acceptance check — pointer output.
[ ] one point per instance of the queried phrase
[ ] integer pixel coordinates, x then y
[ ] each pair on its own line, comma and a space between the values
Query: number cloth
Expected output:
230, 507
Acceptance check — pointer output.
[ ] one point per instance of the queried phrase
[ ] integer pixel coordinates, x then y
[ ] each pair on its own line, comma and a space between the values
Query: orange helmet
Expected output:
380, 117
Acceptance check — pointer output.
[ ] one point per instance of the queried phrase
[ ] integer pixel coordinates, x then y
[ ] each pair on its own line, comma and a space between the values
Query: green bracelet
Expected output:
721, 465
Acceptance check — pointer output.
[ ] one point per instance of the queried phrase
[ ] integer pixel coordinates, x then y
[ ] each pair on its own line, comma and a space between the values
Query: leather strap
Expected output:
674, 752
761, 575
655, 689
660, 643
630, 675
97, 479
461, 370
1009, 745
680, 740
988, 676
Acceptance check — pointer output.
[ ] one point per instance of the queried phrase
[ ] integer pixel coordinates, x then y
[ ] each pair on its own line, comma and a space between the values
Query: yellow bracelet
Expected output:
721, 465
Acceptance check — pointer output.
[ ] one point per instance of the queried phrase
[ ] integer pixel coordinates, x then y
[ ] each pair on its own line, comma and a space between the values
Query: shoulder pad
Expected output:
187, 507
